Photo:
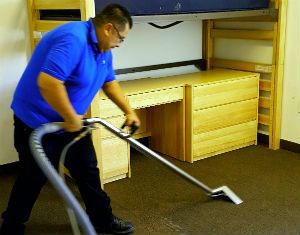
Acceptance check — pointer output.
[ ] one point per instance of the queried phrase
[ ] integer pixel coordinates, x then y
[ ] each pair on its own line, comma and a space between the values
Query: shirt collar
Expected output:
92, 35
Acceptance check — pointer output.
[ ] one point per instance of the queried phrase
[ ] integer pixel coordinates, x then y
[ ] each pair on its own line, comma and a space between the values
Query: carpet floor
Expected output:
158, 201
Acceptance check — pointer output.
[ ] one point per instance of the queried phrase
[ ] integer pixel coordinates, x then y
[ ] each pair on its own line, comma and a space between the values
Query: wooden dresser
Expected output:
221, 112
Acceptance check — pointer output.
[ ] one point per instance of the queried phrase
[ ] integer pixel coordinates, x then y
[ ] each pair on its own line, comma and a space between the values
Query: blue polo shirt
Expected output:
70, 54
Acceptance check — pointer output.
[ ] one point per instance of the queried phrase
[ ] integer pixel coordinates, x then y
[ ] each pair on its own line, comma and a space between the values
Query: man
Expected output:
68, 67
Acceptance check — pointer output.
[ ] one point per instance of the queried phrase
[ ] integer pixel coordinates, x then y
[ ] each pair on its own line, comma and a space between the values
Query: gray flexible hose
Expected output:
61, 171
55, 179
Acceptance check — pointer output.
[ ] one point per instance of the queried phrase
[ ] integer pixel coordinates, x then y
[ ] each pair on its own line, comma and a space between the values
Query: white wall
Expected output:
14, 48
147, 45
290, 128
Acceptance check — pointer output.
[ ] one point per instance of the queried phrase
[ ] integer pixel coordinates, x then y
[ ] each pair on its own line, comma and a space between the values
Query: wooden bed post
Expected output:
278, 55
207, 42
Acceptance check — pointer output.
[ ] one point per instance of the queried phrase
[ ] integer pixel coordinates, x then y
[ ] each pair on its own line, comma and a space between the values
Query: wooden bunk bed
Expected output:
40, 24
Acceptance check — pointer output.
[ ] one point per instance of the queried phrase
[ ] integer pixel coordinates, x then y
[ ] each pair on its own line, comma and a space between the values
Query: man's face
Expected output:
113, 36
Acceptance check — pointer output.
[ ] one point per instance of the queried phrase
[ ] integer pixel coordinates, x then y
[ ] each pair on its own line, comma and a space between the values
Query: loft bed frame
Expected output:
187, 10
40, 22
45, 15
269, 117
159, 7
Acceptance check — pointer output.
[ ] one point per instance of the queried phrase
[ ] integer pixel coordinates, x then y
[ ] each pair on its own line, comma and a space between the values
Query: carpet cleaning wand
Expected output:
76, 213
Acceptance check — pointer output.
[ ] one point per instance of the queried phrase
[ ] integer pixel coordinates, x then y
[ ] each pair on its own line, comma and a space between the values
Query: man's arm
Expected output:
114, 92
54, 92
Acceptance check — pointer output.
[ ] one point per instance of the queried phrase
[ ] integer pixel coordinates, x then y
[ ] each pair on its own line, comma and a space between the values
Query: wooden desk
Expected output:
160, 105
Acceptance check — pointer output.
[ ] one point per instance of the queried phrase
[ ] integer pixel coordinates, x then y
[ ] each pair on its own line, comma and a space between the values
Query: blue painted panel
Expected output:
161, 7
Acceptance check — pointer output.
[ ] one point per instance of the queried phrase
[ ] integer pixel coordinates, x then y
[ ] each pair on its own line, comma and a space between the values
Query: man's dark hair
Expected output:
115, 14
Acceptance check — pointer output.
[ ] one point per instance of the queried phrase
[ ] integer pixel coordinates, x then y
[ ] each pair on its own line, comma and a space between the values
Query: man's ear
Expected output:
107, 28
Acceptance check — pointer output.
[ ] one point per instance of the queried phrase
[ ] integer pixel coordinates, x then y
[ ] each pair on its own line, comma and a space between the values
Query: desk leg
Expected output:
167, 125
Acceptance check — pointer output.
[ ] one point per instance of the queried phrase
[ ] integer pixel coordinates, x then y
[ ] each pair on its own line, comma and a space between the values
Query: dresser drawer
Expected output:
224, 92
114, 154
225, 138
158, 97
225, 115
107, 108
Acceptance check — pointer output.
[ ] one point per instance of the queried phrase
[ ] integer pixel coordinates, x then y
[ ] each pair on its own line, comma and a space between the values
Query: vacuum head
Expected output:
225, 193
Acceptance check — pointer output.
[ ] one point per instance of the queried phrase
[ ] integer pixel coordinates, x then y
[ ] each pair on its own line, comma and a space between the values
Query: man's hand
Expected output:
114, 92
132, 121
73, 124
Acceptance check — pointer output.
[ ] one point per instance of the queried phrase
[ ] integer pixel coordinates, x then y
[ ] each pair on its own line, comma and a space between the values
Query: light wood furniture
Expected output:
221, 113
271, 73
271, 78
189, 117
37, 26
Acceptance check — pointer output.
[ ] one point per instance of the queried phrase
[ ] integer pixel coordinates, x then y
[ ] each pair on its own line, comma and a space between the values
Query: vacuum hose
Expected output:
54, 178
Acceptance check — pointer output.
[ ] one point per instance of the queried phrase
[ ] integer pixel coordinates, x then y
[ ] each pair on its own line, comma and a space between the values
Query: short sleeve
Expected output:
63, 56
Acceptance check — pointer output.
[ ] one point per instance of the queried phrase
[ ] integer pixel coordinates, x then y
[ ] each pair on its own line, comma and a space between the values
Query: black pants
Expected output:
80, 161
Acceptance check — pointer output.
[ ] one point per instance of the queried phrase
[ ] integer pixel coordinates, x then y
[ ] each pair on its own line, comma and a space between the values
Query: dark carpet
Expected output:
158, 201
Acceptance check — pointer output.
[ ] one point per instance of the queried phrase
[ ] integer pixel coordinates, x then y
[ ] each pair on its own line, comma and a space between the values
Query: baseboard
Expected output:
291, 146
284, 144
